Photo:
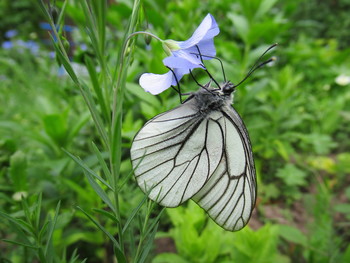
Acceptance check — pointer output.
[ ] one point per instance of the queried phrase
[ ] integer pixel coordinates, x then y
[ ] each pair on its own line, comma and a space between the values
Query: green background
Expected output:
297, 112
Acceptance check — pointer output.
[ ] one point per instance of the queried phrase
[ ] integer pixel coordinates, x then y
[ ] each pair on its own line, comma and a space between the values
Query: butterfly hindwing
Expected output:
229, 196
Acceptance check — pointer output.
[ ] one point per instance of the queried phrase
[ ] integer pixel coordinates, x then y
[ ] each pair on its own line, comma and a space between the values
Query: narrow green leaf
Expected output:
64, 60
96, 86
119, 254
94, 113
83, 89
76, 127
62, 13
264, 7
52, 227
102, 24
16, 225
26, 226
148, 245
133, 213
125, 180
91, 30
18, 171
43, 229
99, 10
87, 169
116, 151
20, 243
101, 193
106, 214
44, 9
346, 255
242, 26
119, 77
103, 164
81, 192
27, 213
114, 241
37, 211
155, 222
143, 96
90, 21
169, 258
133, 239
292, 234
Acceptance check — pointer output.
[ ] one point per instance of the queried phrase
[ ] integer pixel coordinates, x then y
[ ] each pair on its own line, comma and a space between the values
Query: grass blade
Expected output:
97, 87
20, 243
101, 193
52, 227
106, 214
120, 255
103, 164
114, 241
148, 245
134, 212
87, 169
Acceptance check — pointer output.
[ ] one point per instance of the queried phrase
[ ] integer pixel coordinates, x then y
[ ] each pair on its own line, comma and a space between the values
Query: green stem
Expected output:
143, 230
143, 33
115, 135
42, 256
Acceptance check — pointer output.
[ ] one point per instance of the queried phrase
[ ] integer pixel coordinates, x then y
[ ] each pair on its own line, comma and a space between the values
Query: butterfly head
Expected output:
227, 88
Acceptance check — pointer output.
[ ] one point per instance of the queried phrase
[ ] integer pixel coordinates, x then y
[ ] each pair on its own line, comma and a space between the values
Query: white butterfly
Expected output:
199, 150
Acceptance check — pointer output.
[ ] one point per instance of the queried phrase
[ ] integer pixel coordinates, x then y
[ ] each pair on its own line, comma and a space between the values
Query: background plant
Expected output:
297, 114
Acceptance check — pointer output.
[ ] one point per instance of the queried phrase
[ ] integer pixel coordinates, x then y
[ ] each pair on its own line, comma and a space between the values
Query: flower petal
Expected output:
186, 61
184, 57
157, 83
206, 30
206, 48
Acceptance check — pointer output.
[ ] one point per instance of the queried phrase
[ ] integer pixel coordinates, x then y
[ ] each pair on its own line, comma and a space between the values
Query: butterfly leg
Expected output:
177, 88
205, 69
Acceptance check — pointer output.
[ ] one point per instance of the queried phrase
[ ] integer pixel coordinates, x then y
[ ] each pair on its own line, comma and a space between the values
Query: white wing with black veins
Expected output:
230, 193
182, 154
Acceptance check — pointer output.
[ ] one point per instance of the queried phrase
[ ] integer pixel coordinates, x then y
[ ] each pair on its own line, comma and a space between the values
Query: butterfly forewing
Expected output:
175, 153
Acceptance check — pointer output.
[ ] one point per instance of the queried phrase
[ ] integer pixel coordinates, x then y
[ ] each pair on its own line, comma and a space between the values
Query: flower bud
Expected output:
172, 45
169, 46
148, 39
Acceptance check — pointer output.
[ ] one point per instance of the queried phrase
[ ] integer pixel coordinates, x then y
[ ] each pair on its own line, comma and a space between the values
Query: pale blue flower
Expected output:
11, 33
7, 44
183, 57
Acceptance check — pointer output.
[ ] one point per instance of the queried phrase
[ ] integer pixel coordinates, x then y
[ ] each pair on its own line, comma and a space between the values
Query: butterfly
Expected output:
199, 150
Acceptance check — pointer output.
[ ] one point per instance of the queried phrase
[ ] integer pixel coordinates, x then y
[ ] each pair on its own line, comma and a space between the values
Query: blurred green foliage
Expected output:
296, 112
23, 15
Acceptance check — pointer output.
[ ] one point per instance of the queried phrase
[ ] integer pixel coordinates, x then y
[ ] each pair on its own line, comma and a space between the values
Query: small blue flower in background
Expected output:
32, 46
7, 45
11, 33
183, 57
21, 45
52, 54
83, 47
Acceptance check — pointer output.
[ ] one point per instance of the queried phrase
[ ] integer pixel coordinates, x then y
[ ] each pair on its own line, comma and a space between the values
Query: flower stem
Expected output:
144, 33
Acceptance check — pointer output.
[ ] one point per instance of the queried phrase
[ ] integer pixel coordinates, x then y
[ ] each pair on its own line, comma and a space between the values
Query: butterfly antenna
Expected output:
177, 88
205, 69
257, 66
